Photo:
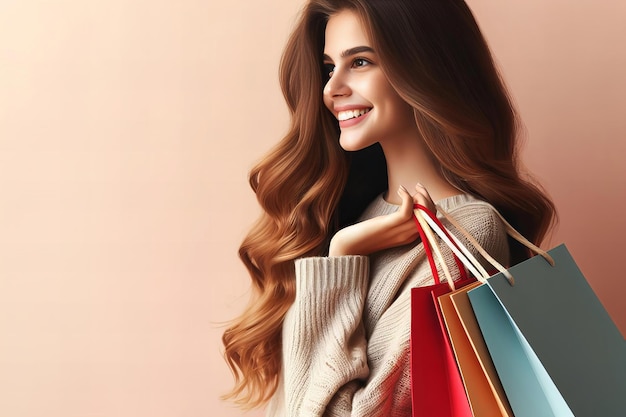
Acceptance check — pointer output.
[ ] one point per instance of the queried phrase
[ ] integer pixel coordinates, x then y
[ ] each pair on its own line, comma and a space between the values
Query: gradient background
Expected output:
127, 129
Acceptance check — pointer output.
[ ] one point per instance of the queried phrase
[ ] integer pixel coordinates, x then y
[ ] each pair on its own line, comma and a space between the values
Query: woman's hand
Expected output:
382, 232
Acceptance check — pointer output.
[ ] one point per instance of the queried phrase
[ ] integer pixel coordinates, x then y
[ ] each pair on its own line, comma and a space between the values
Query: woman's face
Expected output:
358, 94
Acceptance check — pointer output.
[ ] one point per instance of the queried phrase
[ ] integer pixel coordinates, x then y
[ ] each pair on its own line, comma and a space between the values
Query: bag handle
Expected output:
460, 251
429, 242
509, 229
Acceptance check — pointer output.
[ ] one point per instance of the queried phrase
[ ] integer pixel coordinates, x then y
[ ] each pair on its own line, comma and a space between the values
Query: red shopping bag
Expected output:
437, 388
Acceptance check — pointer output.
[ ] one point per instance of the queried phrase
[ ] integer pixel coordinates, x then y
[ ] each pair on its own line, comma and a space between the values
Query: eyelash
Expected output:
329, 68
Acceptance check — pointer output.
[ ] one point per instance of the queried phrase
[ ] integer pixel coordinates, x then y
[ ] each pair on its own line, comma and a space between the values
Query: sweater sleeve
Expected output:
324, 343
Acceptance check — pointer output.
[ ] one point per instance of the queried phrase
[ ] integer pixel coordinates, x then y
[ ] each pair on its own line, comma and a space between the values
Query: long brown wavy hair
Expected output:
436, 58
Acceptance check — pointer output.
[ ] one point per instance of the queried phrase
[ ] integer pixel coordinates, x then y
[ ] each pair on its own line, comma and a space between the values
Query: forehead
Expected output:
344, 31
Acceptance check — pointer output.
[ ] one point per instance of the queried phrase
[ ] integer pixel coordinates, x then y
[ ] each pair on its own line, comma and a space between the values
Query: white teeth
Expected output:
351, 114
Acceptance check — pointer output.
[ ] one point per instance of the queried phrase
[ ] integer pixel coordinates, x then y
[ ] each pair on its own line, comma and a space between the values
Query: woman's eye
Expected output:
329, 69
360, 62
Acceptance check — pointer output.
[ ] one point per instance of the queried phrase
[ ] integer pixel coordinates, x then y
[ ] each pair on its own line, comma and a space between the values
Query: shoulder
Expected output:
481, 220
478, 217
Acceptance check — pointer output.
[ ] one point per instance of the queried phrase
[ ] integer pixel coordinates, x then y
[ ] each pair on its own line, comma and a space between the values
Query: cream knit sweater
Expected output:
346, 337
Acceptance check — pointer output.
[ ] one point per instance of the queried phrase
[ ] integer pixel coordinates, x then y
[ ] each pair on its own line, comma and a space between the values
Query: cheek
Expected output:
400, 109
381, 91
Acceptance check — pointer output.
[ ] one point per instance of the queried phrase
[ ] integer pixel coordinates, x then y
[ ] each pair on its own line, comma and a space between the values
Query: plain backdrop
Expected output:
127, 129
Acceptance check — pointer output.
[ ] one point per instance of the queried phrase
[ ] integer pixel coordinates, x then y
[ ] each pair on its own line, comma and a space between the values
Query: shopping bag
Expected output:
484, 391
556, 349
436, 385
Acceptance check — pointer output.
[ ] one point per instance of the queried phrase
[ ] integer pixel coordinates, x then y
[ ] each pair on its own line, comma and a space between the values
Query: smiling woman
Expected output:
358, 93
385, 96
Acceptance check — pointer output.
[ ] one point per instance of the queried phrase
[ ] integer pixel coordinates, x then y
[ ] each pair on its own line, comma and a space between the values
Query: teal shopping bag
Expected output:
555, 348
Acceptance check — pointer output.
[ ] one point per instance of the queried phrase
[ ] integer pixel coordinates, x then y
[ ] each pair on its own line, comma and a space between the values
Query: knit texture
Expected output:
346, 337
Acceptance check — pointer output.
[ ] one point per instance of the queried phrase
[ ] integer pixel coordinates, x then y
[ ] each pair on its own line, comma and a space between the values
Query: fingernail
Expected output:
419, 184
403, 189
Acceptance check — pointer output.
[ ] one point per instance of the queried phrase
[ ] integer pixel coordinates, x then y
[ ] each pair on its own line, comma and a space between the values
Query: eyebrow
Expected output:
352, 51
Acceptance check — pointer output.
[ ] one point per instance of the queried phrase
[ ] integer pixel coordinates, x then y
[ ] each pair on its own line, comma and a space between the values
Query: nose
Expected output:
337, 85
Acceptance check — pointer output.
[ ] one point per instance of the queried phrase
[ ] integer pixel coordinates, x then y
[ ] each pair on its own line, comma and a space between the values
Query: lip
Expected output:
354, 121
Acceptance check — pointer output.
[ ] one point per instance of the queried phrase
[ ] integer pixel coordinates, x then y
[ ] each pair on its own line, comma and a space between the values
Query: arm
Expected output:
323, 337
382, 232
324, 344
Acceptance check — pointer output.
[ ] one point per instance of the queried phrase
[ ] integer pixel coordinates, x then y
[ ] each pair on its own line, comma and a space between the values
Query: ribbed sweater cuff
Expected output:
319, 274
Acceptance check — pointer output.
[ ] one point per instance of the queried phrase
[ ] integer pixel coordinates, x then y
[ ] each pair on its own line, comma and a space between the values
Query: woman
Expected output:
385, 96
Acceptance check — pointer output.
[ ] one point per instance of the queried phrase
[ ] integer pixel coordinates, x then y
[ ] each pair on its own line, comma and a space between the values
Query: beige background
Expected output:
126, 132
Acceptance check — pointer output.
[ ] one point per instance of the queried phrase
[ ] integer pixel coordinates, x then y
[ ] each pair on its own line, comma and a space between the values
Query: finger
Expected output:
423, 197
406, 207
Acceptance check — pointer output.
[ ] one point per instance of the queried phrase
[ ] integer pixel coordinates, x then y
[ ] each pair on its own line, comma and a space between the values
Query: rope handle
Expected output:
480, 273
428, 239
425, 241
459, 264
510, 230
454, 244
430, 244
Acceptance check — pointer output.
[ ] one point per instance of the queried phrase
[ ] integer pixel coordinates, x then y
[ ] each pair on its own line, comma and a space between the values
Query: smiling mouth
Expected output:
351, 114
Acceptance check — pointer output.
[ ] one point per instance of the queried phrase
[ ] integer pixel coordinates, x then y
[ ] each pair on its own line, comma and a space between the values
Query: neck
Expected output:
410, 162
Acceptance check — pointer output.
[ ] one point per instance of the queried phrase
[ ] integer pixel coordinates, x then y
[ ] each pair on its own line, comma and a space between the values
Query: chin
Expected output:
354, 144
